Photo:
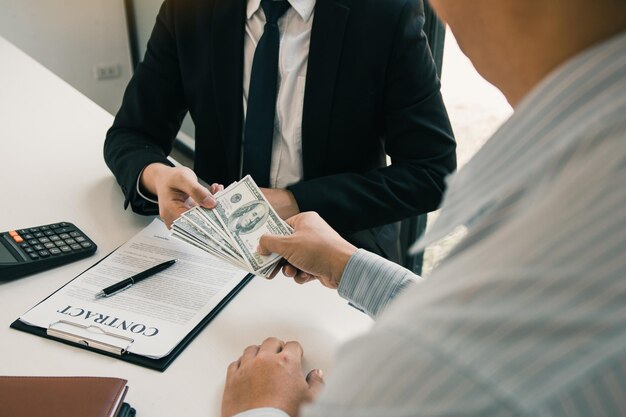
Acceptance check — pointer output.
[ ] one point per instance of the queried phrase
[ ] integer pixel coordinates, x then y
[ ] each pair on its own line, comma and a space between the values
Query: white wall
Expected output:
71, 37
145, 16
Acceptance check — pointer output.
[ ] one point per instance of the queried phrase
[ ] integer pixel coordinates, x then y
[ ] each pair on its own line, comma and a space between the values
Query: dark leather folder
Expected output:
47, 396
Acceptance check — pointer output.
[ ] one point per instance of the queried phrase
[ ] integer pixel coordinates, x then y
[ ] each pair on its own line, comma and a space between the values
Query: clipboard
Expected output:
117, 350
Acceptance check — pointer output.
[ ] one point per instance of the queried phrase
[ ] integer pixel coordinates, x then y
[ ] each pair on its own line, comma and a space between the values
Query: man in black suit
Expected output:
356, 82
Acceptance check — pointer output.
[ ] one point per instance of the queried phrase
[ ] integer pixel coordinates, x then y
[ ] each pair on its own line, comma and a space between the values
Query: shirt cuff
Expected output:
262, 412
370, 282
140, 194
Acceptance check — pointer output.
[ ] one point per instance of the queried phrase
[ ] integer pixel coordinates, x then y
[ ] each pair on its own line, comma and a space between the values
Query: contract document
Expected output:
152, 317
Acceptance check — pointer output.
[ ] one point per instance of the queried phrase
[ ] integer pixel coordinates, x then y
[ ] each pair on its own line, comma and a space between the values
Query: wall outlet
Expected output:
106, 71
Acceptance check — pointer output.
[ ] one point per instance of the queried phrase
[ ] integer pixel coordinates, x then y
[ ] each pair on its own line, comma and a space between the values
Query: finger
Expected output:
249, 353
302, 278
261, 250
290, 270
315, 379
232, 368
216, 188
208, 201
200, 194
167, 220
294, 350
190, 202
277, 269
294, 219
171, 212
186, 181
271, 345
272, 244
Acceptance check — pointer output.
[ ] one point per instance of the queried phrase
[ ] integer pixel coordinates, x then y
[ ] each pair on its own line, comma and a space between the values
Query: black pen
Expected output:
128, 282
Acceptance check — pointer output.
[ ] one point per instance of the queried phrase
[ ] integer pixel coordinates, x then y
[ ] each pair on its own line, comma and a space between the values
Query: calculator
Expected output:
35, 249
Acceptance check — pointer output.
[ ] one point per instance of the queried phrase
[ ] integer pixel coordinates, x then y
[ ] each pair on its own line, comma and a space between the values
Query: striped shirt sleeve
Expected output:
370, 282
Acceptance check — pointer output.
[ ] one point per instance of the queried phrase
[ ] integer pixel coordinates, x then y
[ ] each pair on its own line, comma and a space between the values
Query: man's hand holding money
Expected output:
177, 189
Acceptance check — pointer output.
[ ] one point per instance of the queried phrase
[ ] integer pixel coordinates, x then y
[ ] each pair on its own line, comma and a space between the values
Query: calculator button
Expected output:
63, 224
24, 245
85, 244
54, 238
44, 253
33, 241
29, 250
76, 246
74, 234
70, 241
33, 255
39, 234
28, 236
49, 245
80, 239
59, 243
44, 240
12, 233
63, 230
44, 228
54, 251
65, 249
38, 247
48, 232
18, 239
34, 229
64, 236
54, 226
22, 231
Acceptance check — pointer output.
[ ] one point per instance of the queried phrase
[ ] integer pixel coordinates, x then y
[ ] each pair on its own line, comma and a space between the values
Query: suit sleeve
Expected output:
151, 113
418, 139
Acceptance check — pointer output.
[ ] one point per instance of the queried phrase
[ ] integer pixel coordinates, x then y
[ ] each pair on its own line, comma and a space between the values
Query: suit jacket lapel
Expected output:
228, 26
324, 55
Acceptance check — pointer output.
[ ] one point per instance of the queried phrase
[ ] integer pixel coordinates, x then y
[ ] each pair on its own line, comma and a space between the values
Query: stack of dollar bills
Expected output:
231, 231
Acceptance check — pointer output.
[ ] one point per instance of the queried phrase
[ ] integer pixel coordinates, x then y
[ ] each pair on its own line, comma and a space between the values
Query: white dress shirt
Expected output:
295, 35
525, 318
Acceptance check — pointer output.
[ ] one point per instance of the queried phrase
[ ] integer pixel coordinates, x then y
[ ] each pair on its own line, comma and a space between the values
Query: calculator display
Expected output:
5, 255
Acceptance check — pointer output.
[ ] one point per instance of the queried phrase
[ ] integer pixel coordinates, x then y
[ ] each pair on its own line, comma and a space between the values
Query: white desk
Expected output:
52, 170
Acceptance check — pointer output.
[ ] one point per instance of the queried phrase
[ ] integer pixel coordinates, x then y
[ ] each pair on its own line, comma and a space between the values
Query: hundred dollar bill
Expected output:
246, 215
185, 231
198, 222
210, 220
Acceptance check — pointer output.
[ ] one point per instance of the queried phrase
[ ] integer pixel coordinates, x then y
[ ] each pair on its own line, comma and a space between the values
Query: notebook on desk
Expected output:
150, 323
44, 396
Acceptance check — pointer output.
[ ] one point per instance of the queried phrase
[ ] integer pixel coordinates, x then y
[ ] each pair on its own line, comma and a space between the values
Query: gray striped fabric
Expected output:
527, 315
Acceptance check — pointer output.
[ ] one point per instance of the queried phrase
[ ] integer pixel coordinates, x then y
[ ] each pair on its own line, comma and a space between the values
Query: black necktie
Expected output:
259, 128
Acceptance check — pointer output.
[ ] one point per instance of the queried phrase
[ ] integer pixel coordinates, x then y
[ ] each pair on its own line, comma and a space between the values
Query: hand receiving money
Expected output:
231, 231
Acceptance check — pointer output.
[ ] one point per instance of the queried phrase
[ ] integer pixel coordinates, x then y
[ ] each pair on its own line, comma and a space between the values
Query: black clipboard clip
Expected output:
55, 330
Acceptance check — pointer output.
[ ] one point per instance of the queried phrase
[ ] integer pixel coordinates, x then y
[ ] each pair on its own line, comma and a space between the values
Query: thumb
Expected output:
202, 196
315, 379
185, 180
269, 243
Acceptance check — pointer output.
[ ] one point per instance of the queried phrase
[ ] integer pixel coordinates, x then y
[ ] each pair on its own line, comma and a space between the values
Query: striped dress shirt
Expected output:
527, 314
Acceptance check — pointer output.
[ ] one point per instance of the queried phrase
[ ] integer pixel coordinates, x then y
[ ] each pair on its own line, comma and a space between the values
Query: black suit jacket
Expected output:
371, 90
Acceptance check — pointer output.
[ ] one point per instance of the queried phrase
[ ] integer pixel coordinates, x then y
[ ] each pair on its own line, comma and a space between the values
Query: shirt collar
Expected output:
303, 7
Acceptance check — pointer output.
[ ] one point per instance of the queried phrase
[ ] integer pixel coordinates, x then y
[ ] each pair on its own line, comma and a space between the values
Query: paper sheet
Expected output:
156, 313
